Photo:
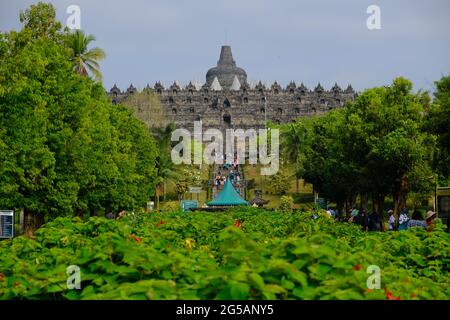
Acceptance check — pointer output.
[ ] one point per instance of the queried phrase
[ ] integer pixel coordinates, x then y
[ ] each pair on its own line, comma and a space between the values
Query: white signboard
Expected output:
195, 189
6, 223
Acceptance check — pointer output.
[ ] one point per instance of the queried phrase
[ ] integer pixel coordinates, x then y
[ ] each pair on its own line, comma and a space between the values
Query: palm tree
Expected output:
166, 170
163, 136
84, 59
294, 138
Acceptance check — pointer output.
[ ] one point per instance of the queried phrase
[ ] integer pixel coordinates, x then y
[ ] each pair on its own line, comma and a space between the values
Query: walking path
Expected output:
221, 173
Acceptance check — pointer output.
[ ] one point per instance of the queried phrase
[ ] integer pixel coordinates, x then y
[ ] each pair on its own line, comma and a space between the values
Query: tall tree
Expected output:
293, 138
326, 165
40, 21
438, 123
166, 170
386, 140
63, 146
373, 147
84, 59
147, 107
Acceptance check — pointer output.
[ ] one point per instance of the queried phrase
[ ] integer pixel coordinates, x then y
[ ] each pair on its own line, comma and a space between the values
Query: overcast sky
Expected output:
306, 41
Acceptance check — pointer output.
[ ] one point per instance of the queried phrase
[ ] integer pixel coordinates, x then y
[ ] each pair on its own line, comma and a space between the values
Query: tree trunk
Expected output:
396, 209
377, 207
339, 208
164, 190
399, 196
377, 203
22, 220
157, 192
29, 223
399, 204
364, 201
39, 221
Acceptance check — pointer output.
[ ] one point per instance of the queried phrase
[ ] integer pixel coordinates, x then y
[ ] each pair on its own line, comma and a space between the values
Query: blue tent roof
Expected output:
228, 197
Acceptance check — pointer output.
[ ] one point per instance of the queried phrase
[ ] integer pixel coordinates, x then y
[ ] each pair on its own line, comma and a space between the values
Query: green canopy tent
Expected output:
228, 197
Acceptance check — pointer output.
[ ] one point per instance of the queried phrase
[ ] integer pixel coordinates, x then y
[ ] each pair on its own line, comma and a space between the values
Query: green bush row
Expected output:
239, 254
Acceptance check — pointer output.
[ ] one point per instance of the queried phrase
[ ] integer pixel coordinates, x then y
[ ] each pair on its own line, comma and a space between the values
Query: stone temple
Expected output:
226, 100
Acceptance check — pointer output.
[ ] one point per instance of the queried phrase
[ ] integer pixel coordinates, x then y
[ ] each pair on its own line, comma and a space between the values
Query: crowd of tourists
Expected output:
230, 170
234, 176
372, 222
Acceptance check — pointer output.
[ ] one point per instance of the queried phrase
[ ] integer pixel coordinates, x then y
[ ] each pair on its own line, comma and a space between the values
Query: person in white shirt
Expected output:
391, 220
403, 219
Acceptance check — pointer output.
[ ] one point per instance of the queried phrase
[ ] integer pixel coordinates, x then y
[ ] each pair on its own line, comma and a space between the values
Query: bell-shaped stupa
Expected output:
226, 70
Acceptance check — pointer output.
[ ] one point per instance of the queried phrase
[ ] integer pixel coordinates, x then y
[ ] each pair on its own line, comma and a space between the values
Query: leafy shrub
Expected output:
240, 254
287, 203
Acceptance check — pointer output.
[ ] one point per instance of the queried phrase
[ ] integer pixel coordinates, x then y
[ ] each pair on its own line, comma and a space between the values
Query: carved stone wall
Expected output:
227, 101
244, 108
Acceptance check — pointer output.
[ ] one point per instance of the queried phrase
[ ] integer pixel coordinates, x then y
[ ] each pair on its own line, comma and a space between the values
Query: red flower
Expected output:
237, 224
161, 222
390, 296
135, 238
357, 267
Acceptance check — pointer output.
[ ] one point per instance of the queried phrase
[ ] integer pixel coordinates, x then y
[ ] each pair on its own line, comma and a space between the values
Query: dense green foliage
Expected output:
279, 182
286, 204
438, 123
63, 146
241, 254
375, 147
292, 147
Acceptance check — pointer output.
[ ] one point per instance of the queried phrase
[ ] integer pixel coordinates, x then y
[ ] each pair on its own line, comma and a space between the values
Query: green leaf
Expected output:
239, 291
289, 285
257, 280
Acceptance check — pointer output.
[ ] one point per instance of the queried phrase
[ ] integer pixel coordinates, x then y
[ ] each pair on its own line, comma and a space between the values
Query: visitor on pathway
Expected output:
110, 215
430, 219
330, 213
403, 219
362, 219
391, 220
416, 221
348, 216
353, 214
374, 222
340, 216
